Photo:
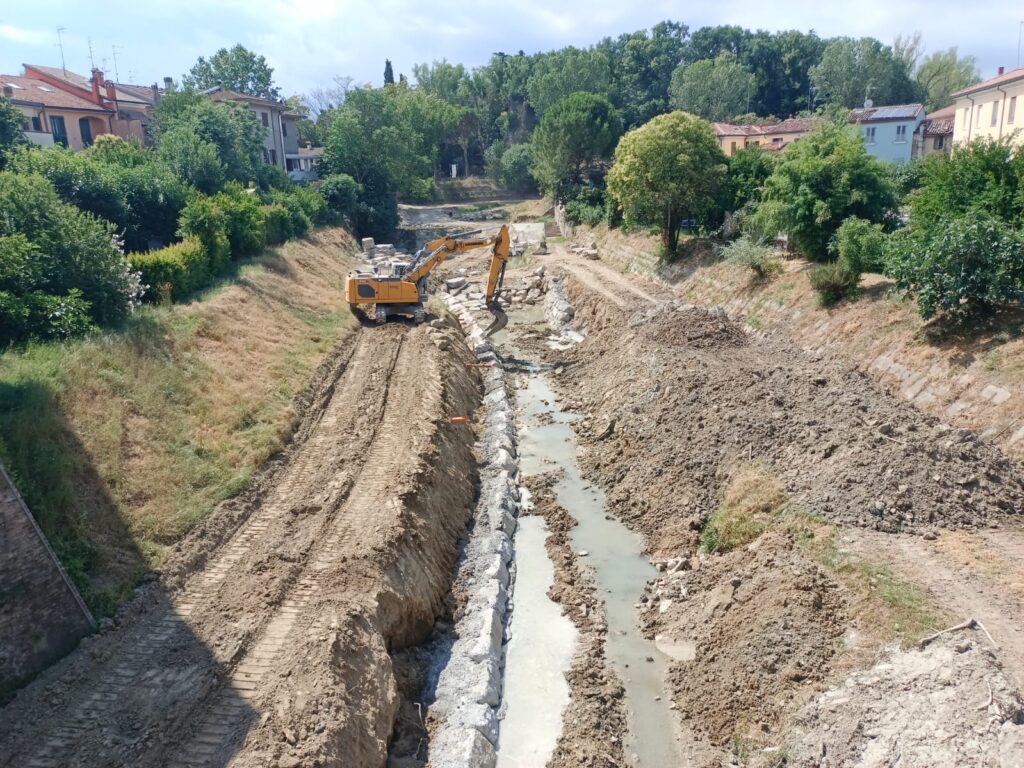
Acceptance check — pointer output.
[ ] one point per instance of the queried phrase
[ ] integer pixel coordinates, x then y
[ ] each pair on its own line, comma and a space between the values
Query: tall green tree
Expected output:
574, 133
10, 128
942, 74
389, 73
557, 74
236, 69
852, 70
820, 181
716, 89
666, 170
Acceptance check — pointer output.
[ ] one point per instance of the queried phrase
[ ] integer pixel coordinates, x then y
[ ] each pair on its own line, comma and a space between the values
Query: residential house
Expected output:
733, 138
131, 106
282, 134
304, 165
55, 116
989, 110
889, 131
935, 133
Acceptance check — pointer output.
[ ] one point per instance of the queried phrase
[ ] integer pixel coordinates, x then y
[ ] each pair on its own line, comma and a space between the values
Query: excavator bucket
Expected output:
500, 319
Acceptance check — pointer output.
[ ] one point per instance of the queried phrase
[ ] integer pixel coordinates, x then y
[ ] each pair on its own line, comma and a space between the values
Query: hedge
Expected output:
173, 272
279, 223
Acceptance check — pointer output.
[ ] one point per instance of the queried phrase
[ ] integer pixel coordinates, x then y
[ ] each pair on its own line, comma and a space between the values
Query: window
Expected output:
1012, 114
290, 164
86, 131
733, 150
265, 118
966, 115
37, 124
977, 120
940, 142
272, 154
995, 112
901, 134
869, 134
284, 128
59, 130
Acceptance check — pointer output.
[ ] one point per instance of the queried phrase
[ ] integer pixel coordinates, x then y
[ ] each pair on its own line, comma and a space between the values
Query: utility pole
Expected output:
60, 44
114, 49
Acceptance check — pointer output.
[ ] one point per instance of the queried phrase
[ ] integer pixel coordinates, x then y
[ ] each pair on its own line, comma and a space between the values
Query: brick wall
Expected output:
42, 616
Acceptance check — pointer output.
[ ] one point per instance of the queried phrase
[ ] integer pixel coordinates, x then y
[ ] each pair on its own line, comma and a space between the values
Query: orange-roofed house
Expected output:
54, 116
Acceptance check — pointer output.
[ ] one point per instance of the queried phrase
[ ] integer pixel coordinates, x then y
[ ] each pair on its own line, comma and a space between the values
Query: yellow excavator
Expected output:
401, 289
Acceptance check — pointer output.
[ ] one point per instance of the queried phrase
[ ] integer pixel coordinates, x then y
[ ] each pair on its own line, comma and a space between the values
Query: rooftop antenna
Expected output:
92, 59
1020, 29
60, 44
114, 49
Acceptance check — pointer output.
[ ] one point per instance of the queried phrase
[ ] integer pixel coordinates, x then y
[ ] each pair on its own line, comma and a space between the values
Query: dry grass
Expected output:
750, 504
122, 442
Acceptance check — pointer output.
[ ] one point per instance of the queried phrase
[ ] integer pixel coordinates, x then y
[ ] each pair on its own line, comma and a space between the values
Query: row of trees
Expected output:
86, 236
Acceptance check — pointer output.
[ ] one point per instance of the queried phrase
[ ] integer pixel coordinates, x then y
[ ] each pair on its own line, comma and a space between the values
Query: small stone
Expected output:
289, 736
931, 535
583, 553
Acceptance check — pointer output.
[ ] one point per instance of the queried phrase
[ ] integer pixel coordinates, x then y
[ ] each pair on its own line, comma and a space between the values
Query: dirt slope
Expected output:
266, 643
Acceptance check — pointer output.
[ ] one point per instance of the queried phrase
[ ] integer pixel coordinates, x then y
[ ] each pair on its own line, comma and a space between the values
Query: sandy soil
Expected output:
266, 641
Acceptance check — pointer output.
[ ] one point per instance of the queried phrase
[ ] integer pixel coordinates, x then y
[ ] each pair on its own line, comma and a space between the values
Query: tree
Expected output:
574, 133
192, 159
748, 170
822, 180
851, 71
232, 128
10, 128
389, 73
713, 89
669, 168
557, 74
237, 69
942, 74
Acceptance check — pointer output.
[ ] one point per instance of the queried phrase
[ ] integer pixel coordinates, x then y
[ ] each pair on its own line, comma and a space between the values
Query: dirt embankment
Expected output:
676, 402
273, 648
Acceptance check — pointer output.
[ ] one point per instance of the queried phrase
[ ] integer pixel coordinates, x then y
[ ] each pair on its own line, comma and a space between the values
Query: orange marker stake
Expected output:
458, 419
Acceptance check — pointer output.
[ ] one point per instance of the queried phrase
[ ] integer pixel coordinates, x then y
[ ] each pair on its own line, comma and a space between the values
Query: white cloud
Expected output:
22, 35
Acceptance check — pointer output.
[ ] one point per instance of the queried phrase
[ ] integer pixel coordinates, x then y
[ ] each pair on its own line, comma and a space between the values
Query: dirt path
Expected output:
600, 278
971, 575
235, 665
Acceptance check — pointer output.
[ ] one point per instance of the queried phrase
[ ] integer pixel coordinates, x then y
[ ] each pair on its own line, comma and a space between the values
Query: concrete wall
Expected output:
42, 616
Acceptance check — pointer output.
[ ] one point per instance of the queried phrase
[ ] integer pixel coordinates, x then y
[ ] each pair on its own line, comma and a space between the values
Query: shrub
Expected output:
184, 267
312, 203
819, 182
243, 219
43, 316
760, 259
964, 267
298, 222
585, 206
204, 220
54, 247
834, 282
514, 169
859, 244
195, 161
279, 223
340, 192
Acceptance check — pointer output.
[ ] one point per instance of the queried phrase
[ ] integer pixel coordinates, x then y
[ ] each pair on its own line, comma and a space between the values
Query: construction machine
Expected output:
400, 288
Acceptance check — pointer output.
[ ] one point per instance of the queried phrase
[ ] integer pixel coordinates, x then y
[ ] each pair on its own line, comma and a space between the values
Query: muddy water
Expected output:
620, 571
538, 653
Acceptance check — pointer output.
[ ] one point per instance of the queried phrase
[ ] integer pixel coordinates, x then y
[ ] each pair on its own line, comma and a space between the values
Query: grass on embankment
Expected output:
121, 442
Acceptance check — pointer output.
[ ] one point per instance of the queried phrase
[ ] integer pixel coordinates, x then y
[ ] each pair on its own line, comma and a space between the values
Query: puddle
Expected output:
548, 443
538, 653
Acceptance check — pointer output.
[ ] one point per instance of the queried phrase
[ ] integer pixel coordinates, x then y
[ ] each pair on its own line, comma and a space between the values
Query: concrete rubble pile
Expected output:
559, 311
469, 688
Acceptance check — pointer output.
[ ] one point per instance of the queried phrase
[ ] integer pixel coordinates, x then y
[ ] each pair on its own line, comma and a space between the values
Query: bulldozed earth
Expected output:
838, 574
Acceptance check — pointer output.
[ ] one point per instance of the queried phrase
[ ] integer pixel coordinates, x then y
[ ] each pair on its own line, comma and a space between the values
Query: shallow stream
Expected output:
546, 443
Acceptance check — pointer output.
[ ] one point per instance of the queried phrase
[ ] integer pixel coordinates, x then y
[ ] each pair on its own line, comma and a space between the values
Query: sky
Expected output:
308, 42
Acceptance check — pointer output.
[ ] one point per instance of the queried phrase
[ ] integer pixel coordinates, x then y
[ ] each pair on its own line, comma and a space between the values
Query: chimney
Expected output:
111, 93
156, 94
1001, 70
168, 85
97, 78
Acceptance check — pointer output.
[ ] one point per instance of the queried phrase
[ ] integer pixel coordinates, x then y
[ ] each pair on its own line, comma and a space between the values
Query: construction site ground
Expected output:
267, 638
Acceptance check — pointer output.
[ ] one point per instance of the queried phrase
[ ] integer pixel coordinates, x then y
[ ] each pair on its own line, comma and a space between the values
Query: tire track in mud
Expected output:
223, 725
137, 694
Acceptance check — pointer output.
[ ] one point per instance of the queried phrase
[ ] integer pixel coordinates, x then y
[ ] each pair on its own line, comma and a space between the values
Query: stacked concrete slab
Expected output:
468, 691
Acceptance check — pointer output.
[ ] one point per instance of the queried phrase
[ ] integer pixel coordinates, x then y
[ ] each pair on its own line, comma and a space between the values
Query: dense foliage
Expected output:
236, 69
10, 128
715, 89
669, 169
817, 184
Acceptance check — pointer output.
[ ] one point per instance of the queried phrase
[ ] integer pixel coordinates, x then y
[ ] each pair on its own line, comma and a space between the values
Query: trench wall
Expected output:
42, 616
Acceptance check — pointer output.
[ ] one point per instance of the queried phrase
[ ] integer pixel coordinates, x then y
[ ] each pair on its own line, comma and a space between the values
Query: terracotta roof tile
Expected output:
28, 89
1007, 77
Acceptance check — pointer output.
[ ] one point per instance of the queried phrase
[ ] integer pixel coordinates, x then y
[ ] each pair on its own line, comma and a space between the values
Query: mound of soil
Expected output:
760, 623
679, 396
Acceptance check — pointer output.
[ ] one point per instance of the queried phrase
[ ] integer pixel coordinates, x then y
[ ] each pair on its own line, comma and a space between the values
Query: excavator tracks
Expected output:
178, 684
